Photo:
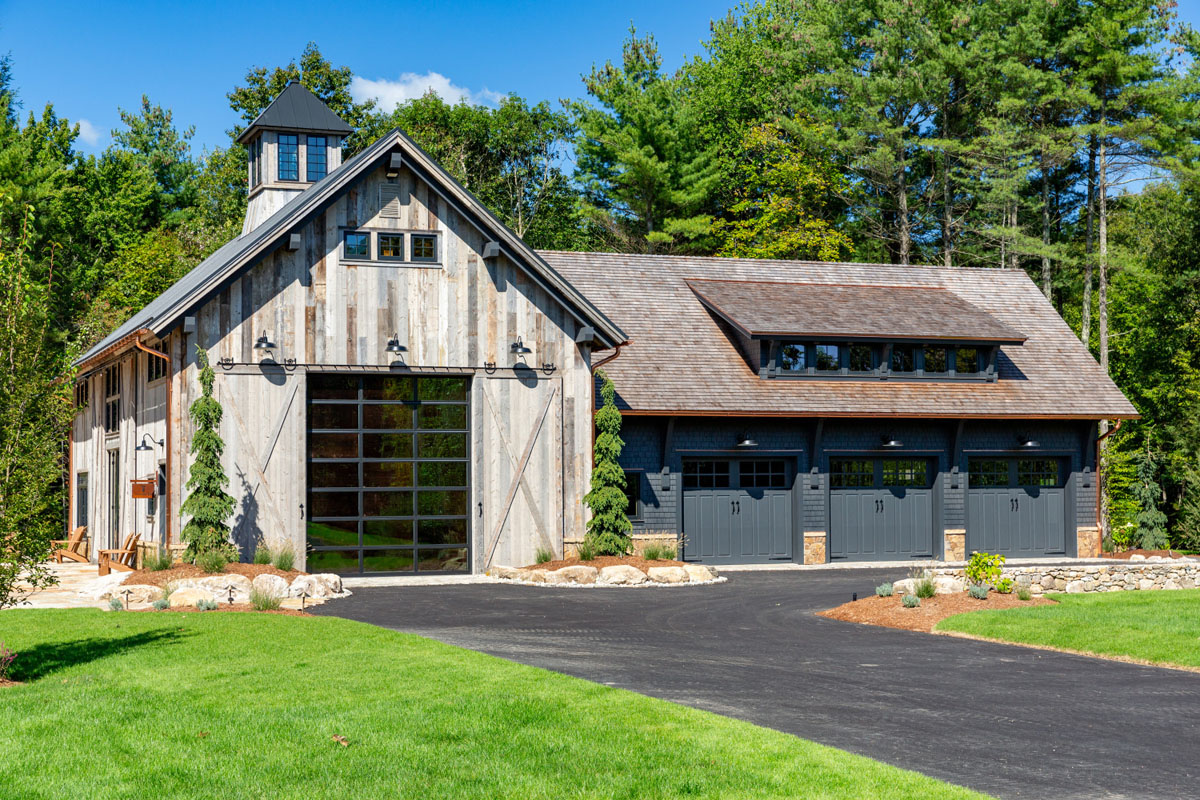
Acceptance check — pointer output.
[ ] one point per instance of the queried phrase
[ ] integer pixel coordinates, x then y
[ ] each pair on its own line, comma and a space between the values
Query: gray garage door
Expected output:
737, 511
1016, 506
880, 509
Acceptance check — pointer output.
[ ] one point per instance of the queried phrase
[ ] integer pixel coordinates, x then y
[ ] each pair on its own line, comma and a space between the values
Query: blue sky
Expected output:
91, 58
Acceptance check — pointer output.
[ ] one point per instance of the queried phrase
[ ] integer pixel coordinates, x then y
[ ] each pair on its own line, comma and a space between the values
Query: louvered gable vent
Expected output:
389, 200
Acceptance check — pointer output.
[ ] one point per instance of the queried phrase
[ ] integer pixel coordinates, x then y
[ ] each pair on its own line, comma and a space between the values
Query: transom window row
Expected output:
812, 358
390, 246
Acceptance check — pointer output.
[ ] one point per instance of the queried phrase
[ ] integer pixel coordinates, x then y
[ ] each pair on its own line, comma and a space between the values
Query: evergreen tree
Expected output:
1151, 521
608, 529
208, 504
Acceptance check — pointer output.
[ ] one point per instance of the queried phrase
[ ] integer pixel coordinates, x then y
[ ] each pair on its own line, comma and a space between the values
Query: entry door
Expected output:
881, 509
737, 511
1016, 506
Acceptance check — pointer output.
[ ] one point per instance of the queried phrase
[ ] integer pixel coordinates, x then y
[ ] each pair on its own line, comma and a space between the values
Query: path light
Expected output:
303, 598
229, 589
126, 593
854, 597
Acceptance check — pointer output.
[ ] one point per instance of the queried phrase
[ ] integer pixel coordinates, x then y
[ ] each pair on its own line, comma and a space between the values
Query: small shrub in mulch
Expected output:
891, 613
181, 571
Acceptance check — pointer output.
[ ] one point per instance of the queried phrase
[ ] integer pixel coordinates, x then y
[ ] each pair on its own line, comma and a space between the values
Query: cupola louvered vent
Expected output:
389, 200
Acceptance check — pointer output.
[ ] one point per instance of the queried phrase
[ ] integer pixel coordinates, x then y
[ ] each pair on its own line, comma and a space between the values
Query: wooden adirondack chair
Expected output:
69, 547
124, 559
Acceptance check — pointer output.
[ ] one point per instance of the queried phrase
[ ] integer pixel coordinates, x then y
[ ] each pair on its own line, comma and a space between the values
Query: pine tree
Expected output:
208, 504
608, 529
1151, 521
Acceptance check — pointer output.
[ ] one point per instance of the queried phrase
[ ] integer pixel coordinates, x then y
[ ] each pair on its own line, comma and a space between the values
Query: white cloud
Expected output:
410, 86
89, 133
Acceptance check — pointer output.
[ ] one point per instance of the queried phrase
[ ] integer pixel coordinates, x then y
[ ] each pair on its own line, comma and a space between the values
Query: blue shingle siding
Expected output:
792, 439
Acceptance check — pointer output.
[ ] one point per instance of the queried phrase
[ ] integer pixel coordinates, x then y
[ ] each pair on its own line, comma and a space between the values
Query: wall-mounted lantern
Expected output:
264, 345
890, 442
143, 447
1028, 443
745, 440
394, 347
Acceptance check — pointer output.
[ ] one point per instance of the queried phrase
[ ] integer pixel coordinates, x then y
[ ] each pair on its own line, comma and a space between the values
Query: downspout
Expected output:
1099, 496
167, 515
603, 361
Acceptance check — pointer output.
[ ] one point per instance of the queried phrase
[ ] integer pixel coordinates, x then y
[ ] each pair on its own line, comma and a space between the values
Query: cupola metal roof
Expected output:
296, 109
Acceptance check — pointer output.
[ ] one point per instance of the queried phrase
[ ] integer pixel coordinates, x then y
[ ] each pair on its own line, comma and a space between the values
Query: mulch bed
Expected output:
1125, 554
236, 608
606, 561
891, 613
5, 683
162, 577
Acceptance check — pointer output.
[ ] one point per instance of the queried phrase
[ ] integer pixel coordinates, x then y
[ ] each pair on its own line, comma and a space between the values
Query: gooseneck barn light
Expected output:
890, 442
394, 347
519, 349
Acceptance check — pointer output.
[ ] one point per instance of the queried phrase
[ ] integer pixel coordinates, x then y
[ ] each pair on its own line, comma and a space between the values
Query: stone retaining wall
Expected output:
1120, 576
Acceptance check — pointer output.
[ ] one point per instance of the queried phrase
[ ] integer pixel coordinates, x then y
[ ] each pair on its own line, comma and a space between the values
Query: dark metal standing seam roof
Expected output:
164, 312
297, 109
770, 308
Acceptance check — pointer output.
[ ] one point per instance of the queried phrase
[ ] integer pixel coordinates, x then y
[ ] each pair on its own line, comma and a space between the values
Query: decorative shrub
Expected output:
883, 590
115, 604
206, 605
6, 658
283, 558
983, 569
585, 550
1004, 586
208, 504
212, 561
977, 591
161, 604
658, 551
910, 601
925, 587
608, 529
1023, 593
544, 554
262, 554
264, 601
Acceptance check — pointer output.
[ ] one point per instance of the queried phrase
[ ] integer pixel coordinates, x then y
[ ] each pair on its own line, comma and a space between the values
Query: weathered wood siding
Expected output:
456, 315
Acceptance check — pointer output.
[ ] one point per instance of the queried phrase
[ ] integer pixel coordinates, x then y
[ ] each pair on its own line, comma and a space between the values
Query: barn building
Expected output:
408, 387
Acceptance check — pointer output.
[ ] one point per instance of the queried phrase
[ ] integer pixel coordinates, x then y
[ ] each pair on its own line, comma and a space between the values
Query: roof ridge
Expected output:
806, 262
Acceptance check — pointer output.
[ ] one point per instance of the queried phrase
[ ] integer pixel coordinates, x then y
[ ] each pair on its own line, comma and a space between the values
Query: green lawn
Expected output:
1157, 626
156, 705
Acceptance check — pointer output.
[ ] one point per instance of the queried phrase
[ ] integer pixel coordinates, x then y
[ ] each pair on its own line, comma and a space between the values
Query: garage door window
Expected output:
851, 473
706, 475
1038, 472
987, 472
905, 473
763, 474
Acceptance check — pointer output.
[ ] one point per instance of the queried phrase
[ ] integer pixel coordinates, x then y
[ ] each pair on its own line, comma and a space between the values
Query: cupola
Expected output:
295, 142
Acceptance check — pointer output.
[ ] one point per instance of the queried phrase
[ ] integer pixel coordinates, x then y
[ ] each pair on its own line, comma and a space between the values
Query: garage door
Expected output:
880, 509
387, 474
1016, 506
737, 511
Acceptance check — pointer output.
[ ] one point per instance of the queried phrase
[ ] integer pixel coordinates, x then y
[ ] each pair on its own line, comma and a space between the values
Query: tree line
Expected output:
1054, 136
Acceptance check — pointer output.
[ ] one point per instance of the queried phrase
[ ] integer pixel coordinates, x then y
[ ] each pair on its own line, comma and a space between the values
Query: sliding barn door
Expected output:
519, 503
264, 435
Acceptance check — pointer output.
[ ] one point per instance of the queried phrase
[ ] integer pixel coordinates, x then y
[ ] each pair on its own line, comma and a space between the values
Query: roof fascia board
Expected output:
861, 415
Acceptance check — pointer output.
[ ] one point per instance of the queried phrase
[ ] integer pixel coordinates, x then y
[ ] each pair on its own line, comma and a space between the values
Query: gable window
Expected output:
289, 157
391, 247
792, 358
828, 357
935, 359
862, 358
424, 247
112, 399
633, 495
316, 158
966, 361
356, 245
903, 358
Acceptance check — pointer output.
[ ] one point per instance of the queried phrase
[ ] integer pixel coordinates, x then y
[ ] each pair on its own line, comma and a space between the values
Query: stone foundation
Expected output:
1120, 576
955, 544
1088, 541
814, 547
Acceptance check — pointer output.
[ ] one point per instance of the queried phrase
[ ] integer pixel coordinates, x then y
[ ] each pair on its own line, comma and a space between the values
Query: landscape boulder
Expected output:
668, 574
219, 586
507, 573
185, 598
622, 575
698, 573
574, 574
271, 584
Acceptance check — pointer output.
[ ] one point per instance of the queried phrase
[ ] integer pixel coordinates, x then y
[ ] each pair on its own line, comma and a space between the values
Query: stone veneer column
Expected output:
955, 545
1088, 542
814, 547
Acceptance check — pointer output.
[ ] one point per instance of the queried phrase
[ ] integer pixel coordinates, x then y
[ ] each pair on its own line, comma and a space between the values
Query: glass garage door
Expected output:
387, 474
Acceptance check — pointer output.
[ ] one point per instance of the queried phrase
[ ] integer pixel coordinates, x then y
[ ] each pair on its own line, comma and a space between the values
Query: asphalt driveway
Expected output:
1010, 721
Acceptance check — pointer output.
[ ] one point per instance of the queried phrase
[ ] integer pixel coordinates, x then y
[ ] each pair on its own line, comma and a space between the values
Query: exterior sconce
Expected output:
519, 349
890, 442
394, 347
1027, 443
143, 447
744, 440
264, 344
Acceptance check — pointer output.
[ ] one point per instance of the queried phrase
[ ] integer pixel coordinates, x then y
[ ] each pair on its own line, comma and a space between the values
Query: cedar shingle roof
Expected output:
681, 359
771, 308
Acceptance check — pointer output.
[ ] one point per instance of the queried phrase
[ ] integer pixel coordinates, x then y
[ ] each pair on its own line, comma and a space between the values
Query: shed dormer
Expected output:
295, 142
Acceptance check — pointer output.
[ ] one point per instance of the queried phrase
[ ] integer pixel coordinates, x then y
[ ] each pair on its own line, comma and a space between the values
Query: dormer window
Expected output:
862, 358
966, 361
316, 160
792, 358
935, 360
904, 358
828, 358
289, 157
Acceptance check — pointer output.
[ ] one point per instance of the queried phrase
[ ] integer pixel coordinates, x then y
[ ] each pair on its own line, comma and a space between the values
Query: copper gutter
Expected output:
117, 346
603, 361
167, 516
